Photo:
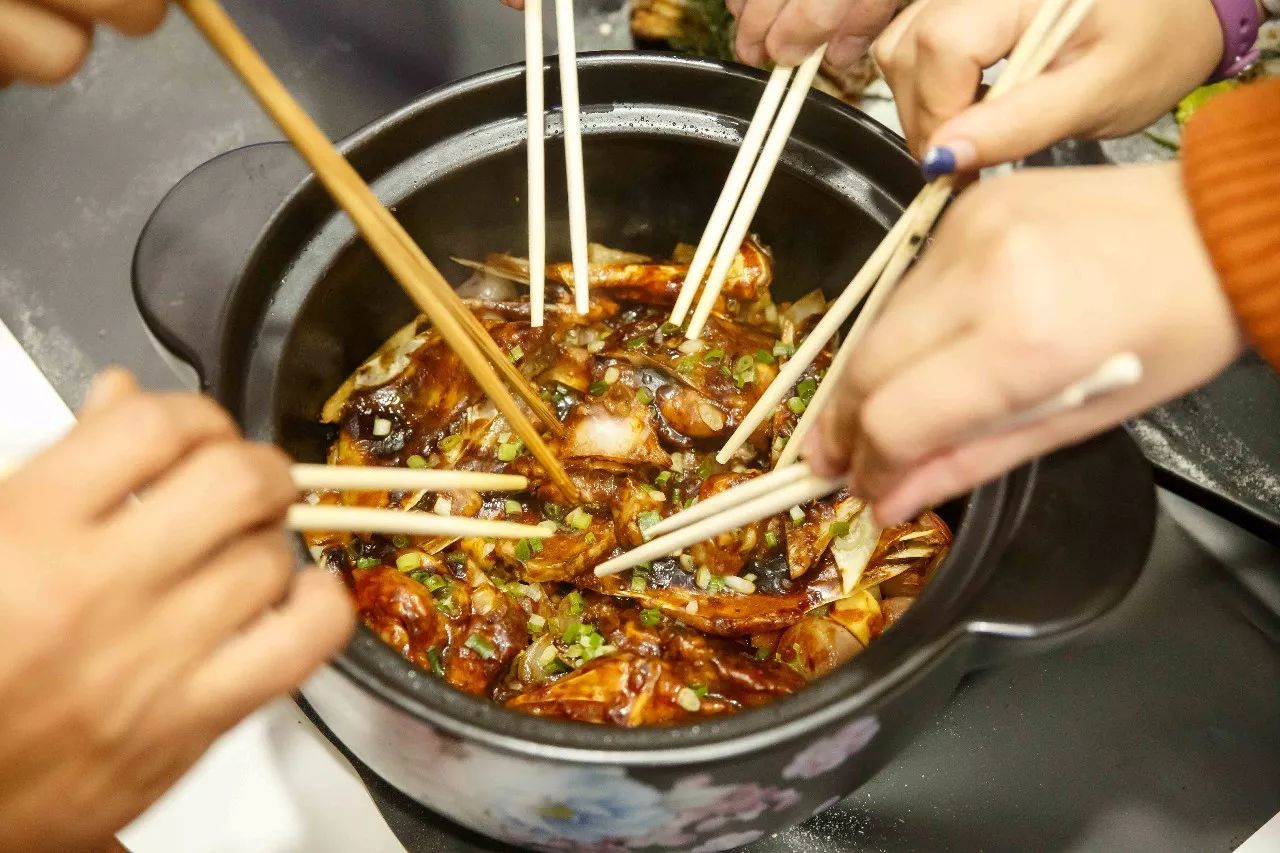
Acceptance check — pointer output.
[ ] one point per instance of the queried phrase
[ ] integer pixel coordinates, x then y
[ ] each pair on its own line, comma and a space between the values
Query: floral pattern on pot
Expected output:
600, 809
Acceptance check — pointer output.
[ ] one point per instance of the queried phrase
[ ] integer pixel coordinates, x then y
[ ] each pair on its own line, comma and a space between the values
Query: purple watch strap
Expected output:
1240, 24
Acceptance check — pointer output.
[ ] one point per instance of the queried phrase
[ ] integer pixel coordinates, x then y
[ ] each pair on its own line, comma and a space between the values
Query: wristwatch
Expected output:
1241, 20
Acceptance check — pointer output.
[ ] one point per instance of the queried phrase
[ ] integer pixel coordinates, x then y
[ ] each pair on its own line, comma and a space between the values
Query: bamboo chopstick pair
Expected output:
757, 158
792, 483
403, 258
304, 516
574, 173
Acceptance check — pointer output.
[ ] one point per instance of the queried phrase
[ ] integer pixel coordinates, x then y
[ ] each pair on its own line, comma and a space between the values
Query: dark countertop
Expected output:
1160, 730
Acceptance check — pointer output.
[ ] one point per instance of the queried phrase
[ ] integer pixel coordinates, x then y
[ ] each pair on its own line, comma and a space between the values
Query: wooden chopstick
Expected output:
740, 224
572, 111
752, 488
811, 347
932, 200
809, 487
357, 519
355, 477
743, 163
537, 161
388, 239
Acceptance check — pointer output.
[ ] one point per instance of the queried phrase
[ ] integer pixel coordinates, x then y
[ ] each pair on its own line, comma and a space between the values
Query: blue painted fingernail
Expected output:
938, 161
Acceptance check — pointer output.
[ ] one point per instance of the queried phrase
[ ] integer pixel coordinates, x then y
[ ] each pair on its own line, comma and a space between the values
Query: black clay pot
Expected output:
247, 273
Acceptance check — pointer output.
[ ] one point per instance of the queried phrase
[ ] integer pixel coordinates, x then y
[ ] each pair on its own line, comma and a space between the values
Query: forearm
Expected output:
1231, 168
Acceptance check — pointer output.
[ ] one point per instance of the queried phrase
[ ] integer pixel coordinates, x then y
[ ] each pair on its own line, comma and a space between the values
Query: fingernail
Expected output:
847, 50
956, 156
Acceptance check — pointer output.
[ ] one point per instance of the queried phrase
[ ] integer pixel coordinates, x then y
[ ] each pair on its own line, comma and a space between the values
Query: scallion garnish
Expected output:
481, 646
368, 562
650, 616
409, 562
416, 461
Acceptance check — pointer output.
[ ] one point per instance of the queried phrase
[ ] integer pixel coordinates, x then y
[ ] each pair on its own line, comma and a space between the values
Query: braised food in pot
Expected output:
731, 623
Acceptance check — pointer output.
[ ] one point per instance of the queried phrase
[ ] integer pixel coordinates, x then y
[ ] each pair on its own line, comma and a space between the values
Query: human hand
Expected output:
1128, 63
514, 4
44, 41
133, 633
787, 31
1033, 281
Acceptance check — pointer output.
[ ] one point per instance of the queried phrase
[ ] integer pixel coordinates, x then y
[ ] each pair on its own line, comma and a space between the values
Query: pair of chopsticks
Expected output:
484, 360
369, 520
791, 483
537, 157
757, 158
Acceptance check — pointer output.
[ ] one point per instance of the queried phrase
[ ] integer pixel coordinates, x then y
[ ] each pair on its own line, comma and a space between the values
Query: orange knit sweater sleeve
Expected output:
1231, 169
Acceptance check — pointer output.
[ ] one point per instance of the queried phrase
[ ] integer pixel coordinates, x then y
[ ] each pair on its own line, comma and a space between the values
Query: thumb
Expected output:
1028, 118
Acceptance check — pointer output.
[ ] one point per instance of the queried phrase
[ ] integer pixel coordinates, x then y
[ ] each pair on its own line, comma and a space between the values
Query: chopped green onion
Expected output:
522, 550
704, 469
771, 539
702, 577
639, 583
578, 519
509, 451
744, 364
782, 350
450, 442
796, 405
699, 690
537, 624
840, 528
573, 632
806, 388
481, 646
434, 583
763, 356
576, 603
368, 562
552, 511
437, 665
636, 342
662, 478
598, 388
445, 605
416, 461
715, 585
648, 519
669, 329
713, 356
688, 700
409, 561
590, 538
516, 353
797, 514
456, 558
686, 364
400, 540
644, 396
513, 507
650, 616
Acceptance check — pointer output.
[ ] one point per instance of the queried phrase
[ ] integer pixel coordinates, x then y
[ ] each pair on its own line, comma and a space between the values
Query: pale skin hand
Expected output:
45, 41
133, 633
1128, 64
1033, 281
